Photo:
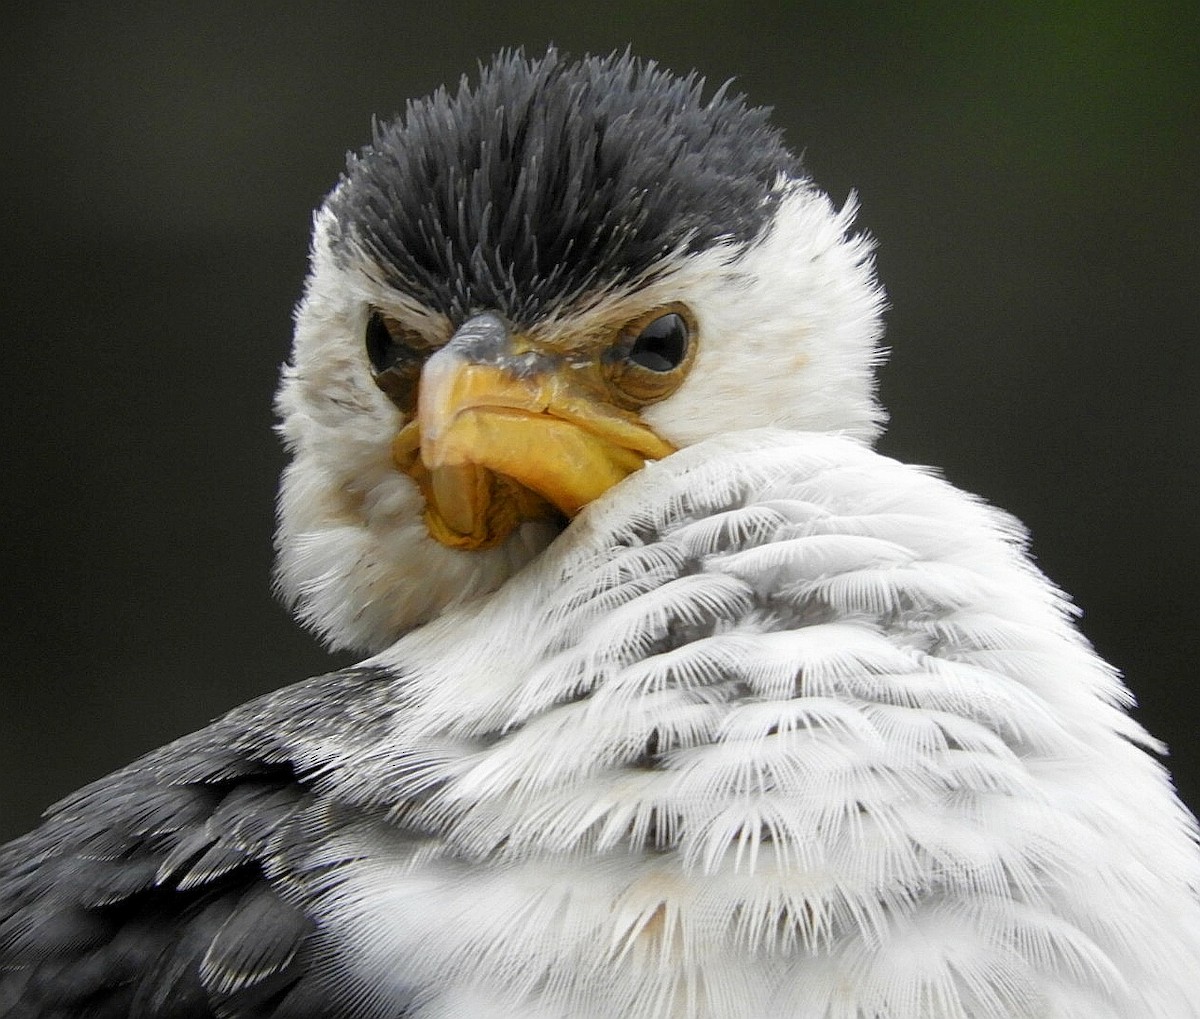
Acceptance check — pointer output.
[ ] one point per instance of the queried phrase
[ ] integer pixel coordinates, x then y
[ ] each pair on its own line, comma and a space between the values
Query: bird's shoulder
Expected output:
162, 889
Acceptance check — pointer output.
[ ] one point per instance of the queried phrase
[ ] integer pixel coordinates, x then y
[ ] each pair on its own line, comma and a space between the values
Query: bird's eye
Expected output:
652, 355
397, 356
662, 345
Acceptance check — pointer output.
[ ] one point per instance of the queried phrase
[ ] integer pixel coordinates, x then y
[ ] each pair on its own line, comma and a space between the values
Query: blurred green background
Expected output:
1029, 172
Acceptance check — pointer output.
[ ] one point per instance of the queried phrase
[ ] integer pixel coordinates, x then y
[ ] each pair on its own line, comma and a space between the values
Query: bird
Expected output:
679, 699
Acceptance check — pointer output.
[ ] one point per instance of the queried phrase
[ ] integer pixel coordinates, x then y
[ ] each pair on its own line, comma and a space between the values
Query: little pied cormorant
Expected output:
684, 702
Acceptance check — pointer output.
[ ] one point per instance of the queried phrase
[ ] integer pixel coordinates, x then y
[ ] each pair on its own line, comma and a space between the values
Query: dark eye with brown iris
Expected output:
652, 356
396, 357
662, 345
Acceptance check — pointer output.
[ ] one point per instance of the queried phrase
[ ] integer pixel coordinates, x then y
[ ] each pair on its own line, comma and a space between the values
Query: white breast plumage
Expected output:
781, 727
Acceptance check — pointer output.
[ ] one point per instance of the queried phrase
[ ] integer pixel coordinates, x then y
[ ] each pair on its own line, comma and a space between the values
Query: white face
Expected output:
785, 335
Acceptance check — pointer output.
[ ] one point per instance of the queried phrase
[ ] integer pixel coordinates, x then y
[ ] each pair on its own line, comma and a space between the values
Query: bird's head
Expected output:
523, 291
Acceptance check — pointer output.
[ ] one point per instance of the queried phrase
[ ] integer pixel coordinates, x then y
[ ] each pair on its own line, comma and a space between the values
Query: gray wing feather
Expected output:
164, 889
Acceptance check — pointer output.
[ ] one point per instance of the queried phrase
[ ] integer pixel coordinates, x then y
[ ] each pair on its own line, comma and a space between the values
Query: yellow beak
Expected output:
500, 438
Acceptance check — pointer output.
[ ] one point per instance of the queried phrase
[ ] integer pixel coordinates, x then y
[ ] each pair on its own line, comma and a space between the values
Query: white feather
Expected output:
779, 727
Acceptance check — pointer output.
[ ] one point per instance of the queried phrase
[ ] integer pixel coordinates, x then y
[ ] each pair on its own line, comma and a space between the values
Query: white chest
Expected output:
818, 744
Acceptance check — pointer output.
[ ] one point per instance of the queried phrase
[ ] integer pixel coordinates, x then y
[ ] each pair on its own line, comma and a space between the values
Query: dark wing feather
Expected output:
163, 889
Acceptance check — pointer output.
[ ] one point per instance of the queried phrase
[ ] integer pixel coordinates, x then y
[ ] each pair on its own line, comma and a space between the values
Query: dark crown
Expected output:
549, 180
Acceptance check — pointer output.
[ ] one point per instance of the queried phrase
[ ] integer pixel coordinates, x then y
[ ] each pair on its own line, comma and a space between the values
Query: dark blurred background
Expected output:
1028, 170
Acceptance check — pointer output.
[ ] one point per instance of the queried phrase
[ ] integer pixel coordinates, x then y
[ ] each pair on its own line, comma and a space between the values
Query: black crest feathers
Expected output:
549, 179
